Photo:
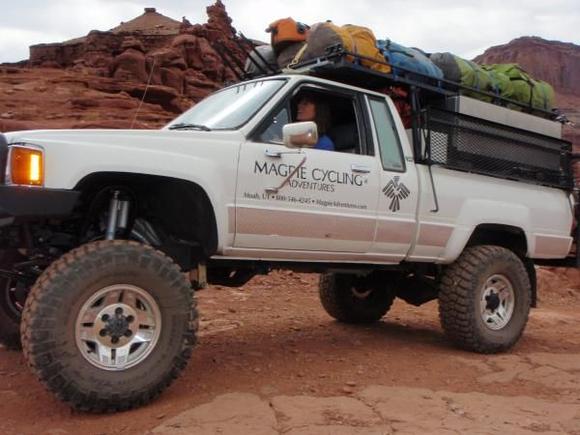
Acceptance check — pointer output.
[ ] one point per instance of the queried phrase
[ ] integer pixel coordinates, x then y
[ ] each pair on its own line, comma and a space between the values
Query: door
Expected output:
398, 193
308, 199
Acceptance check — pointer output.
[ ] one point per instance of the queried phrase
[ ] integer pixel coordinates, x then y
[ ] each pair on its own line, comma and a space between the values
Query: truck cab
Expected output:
323, 203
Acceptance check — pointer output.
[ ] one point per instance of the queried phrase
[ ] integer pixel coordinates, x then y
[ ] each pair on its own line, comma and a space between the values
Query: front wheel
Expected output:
109, 325
484, 299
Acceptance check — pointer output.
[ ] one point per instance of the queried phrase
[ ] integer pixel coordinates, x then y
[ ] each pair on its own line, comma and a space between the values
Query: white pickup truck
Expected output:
106, 233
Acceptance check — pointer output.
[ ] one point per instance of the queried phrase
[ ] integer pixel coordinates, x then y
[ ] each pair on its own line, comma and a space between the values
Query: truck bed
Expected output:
471, 144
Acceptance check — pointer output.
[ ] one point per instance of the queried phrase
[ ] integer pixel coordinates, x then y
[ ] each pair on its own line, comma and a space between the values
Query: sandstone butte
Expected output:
98, 81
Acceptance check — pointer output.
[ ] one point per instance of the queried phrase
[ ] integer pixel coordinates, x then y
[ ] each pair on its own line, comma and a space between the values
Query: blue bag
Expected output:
411, 59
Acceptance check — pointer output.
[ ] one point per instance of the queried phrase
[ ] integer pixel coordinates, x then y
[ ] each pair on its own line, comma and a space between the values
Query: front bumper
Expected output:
21, 203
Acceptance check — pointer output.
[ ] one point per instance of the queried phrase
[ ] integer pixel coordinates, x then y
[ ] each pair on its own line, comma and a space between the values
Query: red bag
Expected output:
400, 98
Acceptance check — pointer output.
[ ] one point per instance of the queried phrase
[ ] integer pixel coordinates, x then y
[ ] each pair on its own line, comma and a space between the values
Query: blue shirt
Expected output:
324, 143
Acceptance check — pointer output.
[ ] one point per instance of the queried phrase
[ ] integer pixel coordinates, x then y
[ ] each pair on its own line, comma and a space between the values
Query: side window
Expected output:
273, 131
389, 144
334, 115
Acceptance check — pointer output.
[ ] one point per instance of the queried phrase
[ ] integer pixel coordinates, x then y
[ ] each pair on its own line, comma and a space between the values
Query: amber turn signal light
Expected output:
26, 166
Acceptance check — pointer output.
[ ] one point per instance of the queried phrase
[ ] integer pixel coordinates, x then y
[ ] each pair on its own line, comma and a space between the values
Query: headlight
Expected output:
26, 165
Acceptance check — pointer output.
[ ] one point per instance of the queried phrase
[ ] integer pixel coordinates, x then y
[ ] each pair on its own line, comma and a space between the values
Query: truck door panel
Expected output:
327, 204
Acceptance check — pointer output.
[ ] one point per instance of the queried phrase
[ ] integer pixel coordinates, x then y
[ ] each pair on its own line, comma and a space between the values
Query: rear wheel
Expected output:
109, 325
484, 299
353, 299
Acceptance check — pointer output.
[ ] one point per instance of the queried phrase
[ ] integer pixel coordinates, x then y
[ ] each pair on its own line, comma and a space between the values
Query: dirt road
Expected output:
270, 361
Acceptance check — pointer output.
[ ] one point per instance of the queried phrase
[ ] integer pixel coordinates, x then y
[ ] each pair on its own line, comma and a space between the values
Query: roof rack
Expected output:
344, 66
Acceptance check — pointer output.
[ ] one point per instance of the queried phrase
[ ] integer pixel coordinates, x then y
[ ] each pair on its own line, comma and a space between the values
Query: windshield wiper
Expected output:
186, 126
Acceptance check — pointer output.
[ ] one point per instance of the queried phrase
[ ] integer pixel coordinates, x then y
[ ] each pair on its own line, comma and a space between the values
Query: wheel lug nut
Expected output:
128, 333
119, 311
105, 317
103, 332
115, 340
130, 319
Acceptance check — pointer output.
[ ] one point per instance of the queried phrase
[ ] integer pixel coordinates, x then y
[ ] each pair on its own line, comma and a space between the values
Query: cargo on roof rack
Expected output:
335, 65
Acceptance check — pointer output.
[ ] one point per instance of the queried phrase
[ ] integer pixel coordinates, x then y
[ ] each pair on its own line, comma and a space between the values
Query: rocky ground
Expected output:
270, 361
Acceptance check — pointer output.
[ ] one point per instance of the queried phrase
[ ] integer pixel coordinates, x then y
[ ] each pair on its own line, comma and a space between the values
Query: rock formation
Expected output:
100, 80
156, 49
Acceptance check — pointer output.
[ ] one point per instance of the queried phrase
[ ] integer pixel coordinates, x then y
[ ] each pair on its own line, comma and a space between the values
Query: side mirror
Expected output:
300, 134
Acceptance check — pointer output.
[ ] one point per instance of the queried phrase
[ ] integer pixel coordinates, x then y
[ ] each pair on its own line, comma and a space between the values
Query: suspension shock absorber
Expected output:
118, 215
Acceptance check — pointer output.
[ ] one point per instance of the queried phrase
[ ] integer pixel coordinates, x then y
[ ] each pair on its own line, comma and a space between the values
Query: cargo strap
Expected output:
298, 56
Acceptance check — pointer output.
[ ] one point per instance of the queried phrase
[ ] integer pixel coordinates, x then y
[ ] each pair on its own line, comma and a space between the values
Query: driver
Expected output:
312, 108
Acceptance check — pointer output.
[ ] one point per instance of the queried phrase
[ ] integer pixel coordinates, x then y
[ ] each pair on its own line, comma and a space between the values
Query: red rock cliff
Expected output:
176, 54
99, 80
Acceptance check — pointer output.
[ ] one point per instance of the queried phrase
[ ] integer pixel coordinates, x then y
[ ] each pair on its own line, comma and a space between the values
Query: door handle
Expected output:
272, 153
360, 168
278, 154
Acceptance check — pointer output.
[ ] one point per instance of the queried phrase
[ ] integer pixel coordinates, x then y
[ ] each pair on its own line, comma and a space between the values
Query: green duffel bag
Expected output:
466, 73
501, 82
476, 77
525, 89
543, 96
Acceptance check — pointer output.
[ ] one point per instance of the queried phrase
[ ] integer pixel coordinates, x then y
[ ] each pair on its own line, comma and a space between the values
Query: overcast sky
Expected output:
465, 27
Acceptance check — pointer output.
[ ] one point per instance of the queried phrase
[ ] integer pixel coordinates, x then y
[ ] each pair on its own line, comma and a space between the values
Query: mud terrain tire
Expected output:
343, 299
91, 285
484, 299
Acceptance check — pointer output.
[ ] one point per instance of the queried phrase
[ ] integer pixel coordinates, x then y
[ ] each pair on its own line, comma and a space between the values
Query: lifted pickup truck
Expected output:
106, 234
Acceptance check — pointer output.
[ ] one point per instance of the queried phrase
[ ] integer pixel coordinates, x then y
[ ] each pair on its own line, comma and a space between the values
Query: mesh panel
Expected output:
466, 143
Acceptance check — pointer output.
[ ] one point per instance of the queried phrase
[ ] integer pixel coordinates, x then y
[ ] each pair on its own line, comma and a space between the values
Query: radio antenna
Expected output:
144, 93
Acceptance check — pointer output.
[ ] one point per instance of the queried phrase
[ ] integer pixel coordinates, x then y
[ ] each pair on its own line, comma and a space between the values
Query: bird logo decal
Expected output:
396, 192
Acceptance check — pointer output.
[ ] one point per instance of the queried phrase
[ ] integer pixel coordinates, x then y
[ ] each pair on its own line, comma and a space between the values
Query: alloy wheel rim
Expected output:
497, 302
118, 327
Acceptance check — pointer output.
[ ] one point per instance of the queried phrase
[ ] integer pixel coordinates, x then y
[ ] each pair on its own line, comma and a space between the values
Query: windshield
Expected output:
230, 108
